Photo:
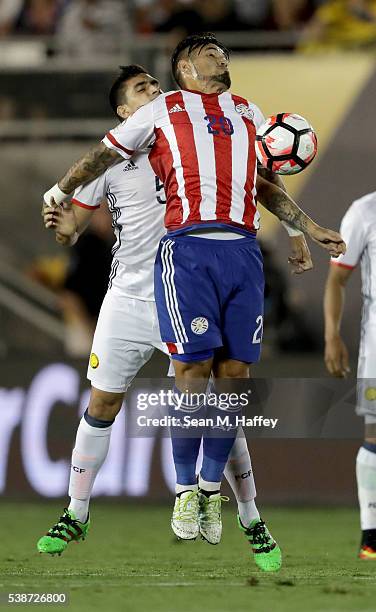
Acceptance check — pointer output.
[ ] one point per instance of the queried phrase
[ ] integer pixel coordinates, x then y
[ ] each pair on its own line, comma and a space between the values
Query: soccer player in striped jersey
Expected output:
208, 275
358, 228
127, 331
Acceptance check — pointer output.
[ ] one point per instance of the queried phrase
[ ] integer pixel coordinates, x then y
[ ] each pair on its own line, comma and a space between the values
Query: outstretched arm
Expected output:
279, 203
275, 179
120, 143
336, 354
282, 206
89, 167
271, 177
300, 258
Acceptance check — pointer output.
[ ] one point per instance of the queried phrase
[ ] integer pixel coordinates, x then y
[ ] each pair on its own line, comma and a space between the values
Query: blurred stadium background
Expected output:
57, 61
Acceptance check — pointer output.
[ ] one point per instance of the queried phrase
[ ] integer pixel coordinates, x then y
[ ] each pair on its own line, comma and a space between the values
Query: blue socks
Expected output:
217, 443
185, 449
216, 452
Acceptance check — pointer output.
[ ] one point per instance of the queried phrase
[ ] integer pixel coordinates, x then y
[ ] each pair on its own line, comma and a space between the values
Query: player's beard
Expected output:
223, 78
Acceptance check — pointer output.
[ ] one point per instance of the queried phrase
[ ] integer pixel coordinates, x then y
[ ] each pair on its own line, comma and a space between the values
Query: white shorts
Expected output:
126, 335
366, 392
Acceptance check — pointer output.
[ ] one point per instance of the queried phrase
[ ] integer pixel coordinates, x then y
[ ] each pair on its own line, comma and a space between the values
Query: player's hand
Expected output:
300, 258
328, 239
337, 357
47, 207
49, 213
60, 218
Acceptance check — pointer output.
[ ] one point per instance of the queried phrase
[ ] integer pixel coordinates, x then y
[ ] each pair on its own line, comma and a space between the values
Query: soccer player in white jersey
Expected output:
208, 275
358, 229
127, 331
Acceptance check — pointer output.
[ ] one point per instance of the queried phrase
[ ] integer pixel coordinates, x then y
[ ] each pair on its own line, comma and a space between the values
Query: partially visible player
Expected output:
127, 331
358, 229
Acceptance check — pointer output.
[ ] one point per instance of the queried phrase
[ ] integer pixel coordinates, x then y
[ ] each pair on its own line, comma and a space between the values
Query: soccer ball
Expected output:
286, 143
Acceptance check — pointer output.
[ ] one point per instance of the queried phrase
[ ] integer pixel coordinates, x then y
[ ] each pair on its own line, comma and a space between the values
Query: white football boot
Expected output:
184, 521
210, 519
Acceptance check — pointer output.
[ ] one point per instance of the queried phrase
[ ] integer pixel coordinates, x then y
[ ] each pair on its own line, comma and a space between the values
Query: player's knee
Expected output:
230, 368
370, 433
193, 369
104, 406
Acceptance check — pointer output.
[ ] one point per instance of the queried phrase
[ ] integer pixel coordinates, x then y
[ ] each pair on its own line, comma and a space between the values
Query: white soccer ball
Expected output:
286, 143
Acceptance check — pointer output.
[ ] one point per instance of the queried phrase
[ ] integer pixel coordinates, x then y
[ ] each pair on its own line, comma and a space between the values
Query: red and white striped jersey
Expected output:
203, 150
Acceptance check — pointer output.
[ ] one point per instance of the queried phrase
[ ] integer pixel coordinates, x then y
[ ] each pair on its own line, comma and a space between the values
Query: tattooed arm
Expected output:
282, 206
91, 165
118, 144
134, 134
300, 258
275, 179
271, 177
86, 169
277, 201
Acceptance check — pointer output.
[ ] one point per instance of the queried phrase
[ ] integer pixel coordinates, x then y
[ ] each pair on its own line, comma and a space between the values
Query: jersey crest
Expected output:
245, 111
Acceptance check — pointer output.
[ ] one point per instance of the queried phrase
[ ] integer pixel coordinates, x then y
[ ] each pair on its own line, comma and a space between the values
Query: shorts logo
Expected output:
244, 111
370, 394
94, 361
199, 325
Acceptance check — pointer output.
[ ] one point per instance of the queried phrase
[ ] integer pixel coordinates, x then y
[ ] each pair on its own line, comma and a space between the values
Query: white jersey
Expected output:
136, 201
358, 229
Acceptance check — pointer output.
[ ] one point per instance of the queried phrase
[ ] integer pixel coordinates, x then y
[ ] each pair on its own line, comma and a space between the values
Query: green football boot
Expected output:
266, 552
67, 529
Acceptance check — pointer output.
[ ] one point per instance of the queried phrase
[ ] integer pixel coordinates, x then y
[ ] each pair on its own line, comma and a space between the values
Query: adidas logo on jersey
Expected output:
130, 166
176, 109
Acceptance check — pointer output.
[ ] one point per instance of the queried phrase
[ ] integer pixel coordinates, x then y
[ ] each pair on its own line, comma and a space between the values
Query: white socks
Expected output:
89, 453
248, 512
366, 479
207, 485
239, 475
181, 488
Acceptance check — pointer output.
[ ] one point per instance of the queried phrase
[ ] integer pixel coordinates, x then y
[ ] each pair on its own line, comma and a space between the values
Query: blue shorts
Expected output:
209, 294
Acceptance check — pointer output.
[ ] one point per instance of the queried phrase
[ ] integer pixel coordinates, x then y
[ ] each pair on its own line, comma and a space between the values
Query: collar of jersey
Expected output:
200, 93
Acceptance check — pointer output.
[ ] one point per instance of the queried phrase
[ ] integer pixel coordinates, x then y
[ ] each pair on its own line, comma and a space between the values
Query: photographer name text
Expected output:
221, 422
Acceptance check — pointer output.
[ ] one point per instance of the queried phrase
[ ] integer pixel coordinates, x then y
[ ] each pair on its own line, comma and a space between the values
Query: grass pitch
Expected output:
130, 562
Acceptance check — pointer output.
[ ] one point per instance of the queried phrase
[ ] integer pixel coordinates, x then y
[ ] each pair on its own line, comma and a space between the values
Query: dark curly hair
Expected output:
127, 72
192, 42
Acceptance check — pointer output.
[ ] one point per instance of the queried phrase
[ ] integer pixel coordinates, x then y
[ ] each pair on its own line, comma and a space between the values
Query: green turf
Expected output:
131, 562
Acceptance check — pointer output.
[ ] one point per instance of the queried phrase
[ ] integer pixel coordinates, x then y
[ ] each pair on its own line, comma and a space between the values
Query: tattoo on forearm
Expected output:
271, 177
91, 165
283, 207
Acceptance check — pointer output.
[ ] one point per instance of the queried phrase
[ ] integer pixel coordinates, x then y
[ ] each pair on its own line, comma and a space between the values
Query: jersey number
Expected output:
158, 187
219, 124
258, 332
